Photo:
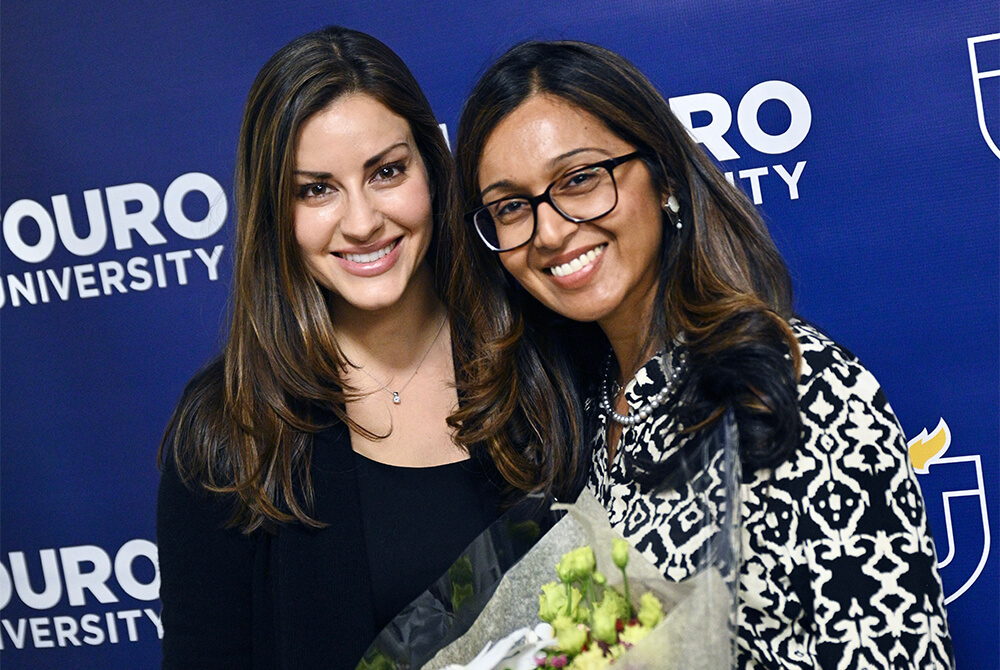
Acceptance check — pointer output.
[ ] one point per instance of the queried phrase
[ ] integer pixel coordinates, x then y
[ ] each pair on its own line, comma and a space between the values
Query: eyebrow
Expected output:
377, 158
506, 183
371, 162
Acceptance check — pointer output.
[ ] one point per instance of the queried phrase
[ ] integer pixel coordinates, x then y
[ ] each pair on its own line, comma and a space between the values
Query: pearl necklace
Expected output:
646, 410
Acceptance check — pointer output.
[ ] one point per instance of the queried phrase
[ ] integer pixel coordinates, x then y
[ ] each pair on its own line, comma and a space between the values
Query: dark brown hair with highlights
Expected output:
722, 284
244, 424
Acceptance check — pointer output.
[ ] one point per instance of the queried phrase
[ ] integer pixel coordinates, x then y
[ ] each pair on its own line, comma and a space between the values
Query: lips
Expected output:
370, 263
371, 257
578, 263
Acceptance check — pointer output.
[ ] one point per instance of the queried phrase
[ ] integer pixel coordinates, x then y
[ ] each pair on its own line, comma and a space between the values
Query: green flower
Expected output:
615, 602
633, 634
600, 579
604, 622
650, 610
592, 659
460, 571
616, 651
459, 594
619, 552
577, 564
571, 635
524, 530
376, 661
564, 572
552, 602
461, 576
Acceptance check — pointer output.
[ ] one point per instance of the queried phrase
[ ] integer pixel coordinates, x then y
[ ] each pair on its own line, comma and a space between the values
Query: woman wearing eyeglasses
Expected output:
634, 298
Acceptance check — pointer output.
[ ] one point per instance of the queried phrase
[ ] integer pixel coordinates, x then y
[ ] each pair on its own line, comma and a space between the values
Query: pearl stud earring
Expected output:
671, 205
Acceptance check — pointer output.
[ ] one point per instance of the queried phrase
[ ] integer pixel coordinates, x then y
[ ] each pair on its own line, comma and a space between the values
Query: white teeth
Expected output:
372, 257
578, 263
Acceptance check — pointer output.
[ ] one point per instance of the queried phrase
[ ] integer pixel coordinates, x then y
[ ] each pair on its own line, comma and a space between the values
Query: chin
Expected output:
374, 304
577, 312
368, 301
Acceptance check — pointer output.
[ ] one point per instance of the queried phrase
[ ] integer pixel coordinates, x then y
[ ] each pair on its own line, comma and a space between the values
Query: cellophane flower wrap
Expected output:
500, 627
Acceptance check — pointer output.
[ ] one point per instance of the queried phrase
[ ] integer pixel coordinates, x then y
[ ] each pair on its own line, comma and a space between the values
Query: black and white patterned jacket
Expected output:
837, 567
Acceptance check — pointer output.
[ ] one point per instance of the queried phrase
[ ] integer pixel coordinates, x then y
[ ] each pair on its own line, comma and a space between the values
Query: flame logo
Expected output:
925, 449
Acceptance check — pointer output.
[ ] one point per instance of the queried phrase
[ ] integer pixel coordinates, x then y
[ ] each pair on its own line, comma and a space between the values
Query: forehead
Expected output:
352, 126
538, 133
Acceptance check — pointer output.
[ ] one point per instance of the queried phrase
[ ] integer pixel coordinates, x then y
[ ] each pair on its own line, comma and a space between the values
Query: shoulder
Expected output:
820, 353
852, 449
834, 386
850, 480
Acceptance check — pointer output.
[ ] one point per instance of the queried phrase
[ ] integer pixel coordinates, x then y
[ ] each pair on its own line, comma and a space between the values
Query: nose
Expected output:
362, 220
551, 228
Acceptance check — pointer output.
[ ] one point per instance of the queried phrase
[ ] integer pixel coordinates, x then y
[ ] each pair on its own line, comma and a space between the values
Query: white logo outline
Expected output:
947, 496
978, 76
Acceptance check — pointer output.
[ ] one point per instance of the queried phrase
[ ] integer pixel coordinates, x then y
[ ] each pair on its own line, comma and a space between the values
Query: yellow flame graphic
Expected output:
925, 449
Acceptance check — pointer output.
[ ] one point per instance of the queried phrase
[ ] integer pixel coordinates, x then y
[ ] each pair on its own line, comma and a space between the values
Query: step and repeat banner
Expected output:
868, 135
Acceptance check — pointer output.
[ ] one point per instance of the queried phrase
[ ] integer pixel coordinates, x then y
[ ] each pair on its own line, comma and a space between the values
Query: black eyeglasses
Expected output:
582, 195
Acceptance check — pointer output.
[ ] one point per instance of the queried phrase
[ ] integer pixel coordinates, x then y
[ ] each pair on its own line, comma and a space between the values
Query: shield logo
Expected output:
989, 79
955, 497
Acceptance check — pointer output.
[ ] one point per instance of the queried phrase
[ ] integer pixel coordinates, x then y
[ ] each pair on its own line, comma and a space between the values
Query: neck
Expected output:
628, 332
391, 338
631, 353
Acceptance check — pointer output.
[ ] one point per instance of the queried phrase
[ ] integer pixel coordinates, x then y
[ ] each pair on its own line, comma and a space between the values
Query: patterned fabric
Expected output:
838, 568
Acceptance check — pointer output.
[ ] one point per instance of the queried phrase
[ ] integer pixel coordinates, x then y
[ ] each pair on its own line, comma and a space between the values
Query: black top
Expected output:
416, 523
295, 598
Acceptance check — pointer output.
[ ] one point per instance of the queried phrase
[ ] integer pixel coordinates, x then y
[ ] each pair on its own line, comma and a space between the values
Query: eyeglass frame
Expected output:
546, 196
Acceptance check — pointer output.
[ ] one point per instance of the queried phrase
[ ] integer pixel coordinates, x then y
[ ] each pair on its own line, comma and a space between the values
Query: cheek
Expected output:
413, 205
655, 239
422, 213
516, 263
311, 232
647, 236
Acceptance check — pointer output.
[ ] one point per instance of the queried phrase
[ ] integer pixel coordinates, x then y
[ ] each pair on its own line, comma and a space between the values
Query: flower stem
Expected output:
628, 597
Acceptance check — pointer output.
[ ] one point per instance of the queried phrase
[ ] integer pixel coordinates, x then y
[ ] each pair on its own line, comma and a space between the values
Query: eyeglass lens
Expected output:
580, 196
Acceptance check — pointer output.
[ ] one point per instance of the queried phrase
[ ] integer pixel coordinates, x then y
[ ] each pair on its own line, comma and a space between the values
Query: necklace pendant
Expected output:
395, 397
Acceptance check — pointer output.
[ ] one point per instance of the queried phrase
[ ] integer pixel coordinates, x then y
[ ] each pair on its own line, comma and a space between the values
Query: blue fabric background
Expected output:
893, 244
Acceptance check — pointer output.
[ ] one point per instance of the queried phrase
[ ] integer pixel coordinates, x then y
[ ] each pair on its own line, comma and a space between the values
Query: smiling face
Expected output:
362, 203
604, 270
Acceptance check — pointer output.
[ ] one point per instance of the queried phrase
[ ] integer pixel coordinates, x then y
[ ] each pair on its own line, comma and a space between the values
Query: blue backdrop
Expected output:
868, 136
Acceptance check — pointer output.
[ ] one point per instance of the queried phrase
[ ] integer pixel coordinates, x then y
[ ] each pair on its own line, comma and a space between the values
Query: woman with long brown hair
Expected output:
636, 302
311, 486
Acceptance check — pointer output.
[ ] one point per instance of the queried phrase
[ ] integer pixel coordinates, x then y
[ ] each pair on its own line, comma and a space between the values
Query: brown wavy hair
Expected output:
722, 285
245, 423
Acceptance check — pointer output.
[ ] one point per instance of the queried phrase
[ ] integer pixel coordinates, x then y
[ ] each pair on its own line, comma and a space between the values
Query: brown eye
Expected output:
315, 190
389, 172
581, 181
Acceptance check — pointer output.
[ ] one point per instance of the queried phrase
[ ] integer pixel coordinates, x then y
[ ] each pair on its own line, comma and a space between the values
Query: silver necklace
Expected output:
645, 411
396, 394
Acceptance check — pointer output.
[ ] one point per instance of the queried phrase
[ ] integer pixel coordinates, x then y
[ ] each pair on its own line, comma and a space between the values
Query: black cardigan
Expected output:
220, 589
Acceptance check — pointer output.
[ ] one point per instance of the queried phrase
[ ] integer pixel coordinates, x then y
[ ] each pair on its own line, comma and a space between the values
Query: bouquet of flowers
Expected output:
498, 608
642, 622
593, 623
587, 627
